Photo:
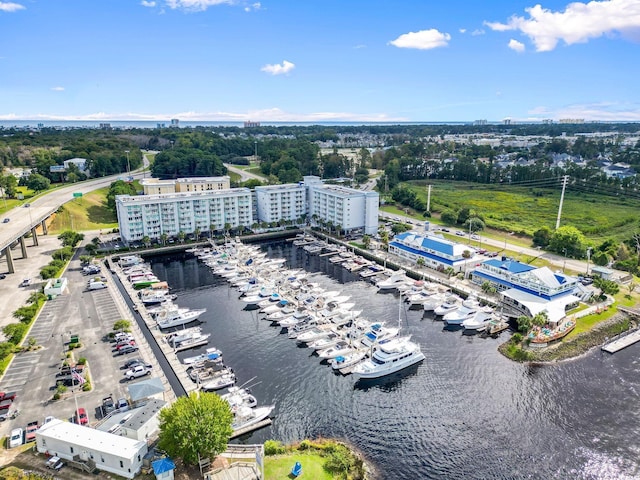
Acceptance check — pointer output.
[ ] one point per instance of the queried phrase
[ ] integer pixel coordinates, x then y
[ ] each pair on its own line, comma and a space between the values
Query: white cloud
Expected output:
146, 3
516, 45
278, 69
265, 115
578, 23
422, 40
462, 30
358, 47
478, 31
253, 6
601, 111
196, 5
57, 89
10, 7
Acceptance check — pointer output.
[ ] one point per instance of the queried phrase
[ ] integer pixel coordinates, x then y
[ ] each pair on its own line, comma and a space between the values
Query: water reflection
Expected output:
466, 412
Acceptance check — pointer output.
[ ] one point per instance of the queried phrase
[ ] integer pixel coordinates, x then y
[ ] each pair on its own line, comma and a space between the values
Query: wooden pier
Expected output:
251, 428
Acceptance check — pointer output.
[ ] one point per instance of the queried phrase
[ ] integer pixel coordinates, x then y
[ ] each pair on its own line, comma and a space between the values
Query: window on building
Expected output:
71, 448
121, 464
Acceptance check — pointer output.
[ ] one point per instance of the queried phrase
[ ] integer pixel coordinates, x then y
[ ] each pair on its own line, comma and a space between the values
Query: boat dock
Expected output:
250, 428
622, 342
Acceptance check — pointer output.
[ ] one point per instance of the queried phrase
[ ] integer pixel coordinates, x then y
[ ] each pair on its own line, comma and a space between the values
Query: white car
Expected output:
15, 440
136, 372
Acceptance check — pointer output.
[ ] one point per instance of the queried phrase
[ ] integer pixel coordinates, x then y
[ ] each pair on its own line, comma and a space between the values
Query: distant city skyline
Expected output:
320, 62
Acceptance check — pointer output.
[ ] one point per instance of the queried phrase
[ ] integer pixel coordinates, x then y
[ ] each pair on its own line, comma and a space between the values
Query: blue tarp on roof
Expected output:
163, 465
512, 266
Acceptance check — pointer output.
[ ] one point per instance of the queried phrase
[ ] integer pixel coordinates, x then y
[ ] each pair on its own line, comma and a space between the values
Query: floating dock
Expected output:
251, 428
622, 342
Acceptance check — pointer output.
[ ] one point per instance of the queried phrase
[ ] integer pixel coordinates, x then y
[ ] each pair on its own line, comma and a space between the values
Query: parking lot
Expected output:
33, 374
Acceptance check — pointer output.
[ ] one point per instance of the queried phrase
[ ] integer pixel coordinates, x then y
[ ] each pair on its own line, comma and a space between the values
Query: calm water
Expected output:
464, 413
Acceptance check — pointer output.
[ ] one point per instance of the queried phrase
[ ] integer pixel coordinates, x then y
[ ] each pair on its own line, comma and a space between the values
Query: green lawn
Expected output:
278, 467
256, 171
520, 209
88, 212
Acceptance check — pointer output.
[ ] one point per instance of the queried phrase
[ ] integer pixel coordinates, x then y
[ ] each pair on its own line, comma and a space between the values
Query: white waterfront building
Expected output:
281, 202
171, 213
349, 208
106, 451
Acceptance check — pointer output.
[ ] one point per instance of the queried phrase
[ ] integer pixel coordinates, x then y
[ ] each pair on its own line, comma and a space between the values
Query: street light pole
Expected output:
588, 259
255, 151
564, 264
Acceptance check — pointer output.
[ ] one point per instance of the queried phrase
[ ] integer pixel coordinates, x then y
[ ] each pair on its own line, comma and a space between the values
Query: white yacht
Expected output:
478, 322
450, 303
341, 348
176, 317
378, 333
468, 309
211, 354
349, 359
394, 281
246, 416
390, 357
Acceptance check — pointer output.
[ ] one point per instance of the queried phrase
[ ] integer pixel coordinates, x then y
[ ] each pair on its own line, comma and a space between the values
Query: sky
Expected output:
319, 61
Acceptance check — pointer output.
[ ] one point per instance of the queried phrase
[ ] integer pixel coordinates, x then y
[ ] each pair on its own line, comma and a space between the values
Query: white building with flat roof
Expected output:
281, 202
172, 213
72, 442
152, 185
348, 208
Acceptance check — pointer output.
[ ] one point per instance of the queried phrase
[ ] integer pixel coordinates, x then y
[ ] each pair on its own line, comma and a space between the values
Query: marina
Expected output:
310, 400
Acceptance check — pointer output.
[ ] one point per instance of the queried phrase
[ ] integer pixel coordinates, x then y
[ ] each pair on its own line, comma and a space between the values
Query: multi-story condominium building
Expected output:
281, 202
436, 251
530, 290
347, 208
194, 184
172, 213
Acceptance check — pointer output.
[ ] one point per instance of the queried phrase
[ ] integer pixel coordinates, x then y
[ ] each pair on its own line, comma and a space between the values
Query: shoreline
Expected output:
578, 346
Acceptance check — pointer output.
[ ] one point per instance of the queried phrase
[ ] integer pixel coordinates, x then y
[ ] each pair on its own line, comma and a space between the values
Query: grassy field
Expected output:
518, 209
279, 467
89, 212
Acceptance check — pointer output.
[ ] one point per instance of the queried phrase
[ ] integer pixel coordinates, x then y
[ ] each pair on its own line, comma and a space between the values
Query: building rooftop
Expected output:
283, 187
203, 179
509, 265
183, 195
432, 242
91, 438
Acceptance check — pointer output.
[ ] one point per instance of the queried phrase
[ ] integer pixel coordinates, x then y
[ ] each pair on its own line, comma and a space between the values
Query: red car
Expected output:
81, 417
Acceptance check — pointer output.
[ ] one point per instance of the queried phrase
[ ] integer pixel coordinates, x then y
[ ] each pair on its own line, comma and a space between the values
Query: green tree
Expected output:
37, 182
14, 332
163, 238
181, 236
122, 325
607, 287
70, 238
540, 319
524, 323
542, 237
475, 224
366, 241
449, 217
91, 249
195, 427
570, 240
420, 262
146, 241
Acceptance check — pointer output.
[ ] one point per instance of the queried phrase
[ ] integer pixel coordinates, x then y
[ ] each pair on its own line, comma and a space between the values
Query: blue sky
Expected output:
308, 60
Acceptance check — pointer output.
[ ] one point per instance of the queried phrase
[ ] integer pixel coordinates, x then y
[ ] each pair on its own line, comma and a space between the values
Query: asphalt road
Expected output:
500, 245
244, 175
22, 218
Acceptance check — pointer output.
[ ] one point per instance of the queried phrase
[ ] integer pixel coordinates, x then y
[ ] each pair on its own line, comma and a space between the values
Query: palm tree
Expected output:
197, 233
366, 241
420, 262
146, 241
181, 236
164, 238
212, 227
449, 271
384, 238
227, 227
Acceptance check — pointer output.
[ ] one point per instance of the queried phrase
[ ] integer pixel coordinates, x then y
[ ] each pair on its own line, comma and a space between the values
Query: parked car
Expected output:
136, 361
108, 405
137, 372
127, 349
7, 396
122, 405
122, 336
81, 417
2, 276
15, 439
26, 282
30, 432
6, 220
55, 463
48, 418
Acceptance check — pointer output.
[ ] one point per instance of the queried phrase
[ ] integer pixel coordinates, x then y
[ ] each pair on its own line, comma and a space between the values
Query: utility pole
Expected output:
564, 186
128, 164
588, 259
428, 198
